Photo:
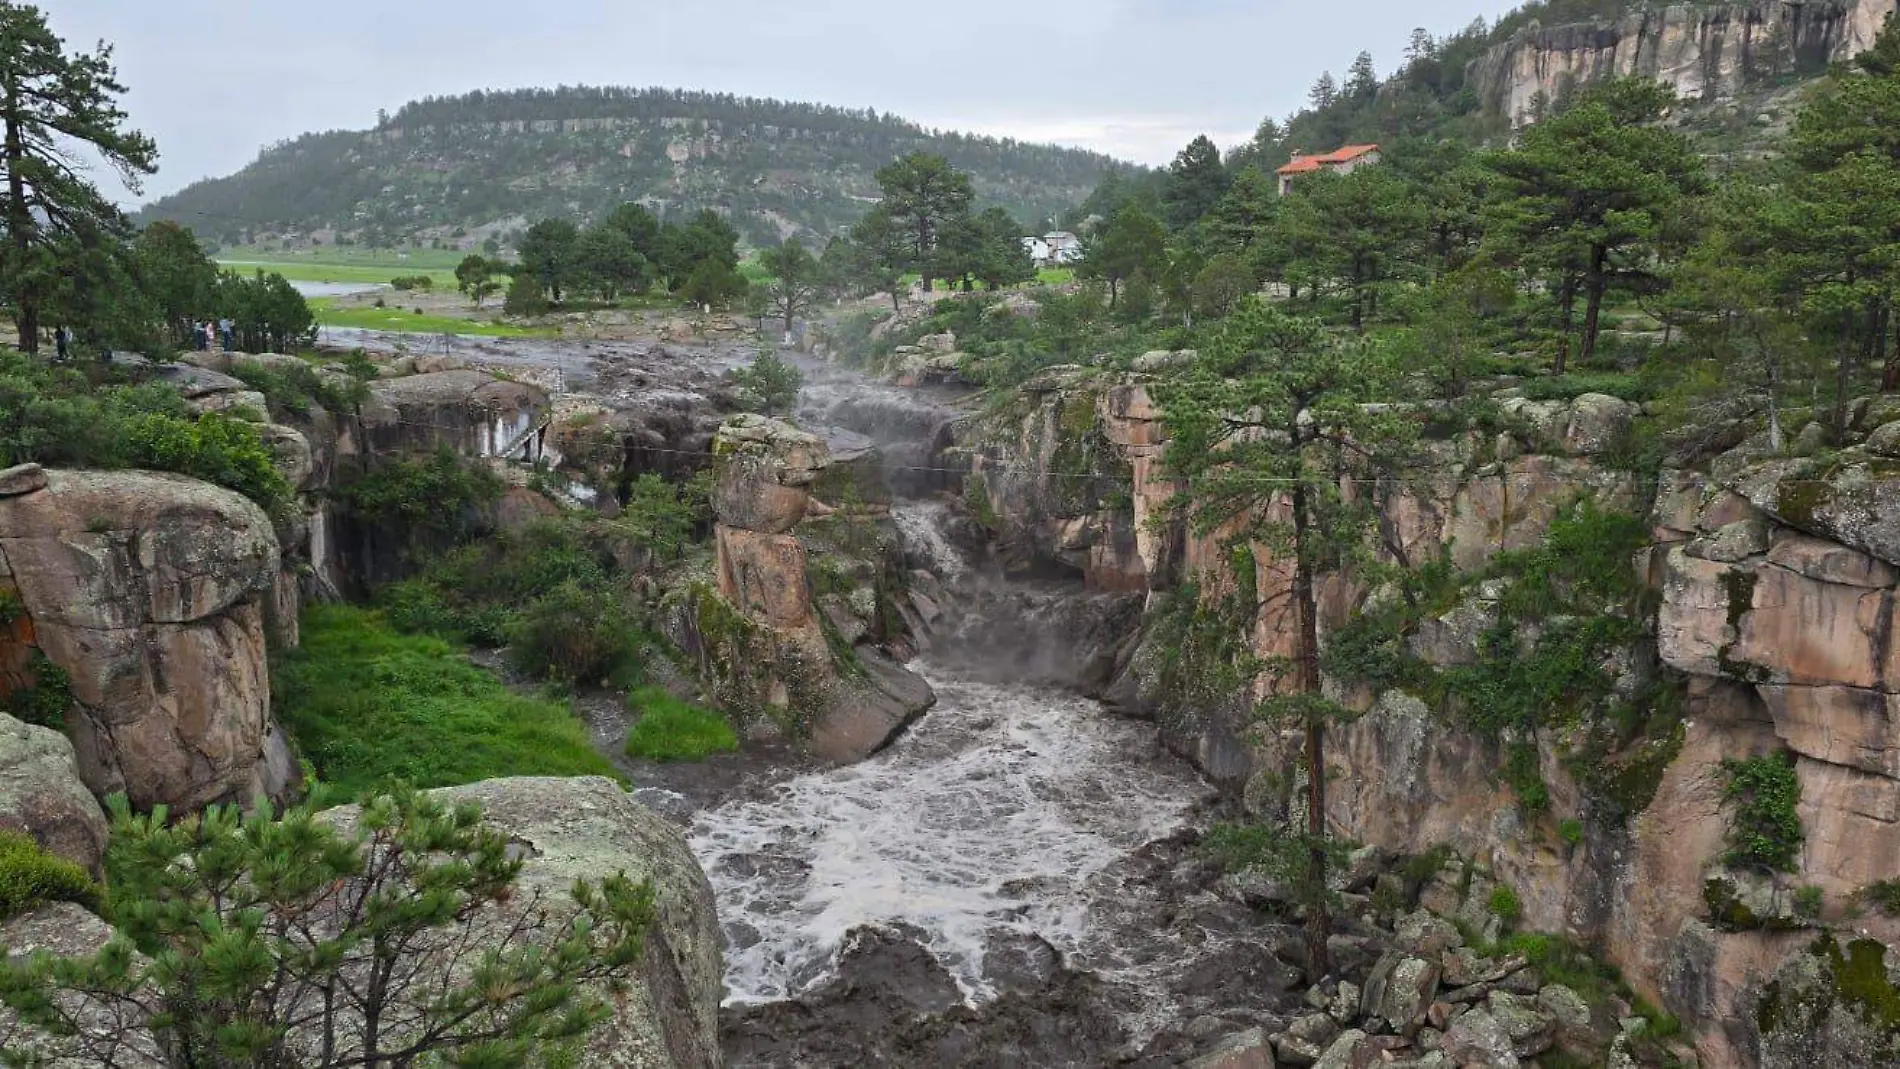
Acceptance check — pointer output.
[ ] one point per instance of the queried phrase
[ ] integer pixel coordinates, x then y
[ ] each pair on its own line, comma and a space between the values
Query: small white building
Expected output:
1058, 248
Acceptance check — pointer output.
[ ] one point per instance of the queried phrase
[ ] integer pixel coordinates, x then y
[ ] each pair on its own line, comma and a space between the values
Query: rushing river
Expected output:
1000, 812
1006, 811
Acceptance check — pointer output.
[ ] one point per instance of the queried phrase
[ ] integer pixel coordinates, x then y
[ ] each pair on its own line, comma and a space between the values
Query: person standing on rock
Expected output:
225, 333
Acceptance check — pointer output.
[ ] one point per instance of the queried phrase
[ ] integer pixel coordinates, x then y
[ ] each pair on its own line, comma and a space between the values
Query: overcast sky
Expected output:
215, 80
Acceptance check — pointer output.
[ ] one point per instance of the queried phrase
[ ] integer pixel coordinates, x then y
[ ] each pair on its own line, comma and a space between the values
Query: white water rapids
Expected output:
1001, 810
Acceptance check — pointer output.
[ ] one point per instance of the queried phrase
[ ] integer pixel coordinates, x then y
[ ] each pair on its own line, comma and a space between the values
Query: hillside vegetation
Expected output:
444, 169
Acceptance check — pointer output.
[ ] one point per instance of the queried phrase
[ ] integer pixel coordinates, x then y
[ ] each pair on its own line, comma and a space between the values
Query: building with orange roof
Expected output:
1340, 161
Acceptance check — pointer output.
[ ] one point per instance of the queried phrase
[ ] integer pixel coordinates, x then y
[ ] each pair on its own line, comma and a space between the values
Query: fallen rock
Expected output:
1350, 1051
1245, 1050
21, 479
1478, 1040
43, 798
1306, 1039
1531, 1033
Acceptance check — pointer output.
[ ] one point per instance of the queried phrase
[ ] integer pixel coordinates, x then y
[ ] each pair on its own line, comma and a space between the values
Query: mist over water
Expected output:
1011, 809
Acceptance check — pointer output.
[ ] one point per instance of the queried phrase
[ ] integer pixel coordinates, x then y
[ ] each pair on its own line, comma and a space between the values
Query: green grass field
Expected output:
401, 320
368, 705
307, 271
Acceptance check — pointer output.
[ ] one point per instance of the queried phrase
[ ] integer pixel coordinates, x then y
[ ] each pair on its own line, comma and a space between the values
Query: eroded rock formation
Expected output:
762, 643
1704, 51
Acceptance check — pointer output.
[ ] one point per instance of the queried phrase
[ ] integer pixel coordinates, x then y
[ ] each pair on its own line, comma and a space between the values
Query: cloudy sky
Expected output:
215, 80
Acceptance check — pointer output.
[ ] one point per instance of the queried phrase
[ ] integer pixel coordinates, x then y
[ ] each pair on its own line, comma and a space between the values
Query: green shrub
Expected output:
1504, 905
770, 385
369, 705
1884, 896
294, 389
1808, 902
673, 730
434, 498
1766, 831
103, 418
1571, 832
45, 702
30, 877
12, 608
576, 634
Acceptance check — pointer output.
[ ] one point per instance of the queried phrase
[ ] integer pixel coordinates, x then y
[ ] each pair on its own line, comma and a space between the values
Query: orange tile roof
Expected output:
1347, 154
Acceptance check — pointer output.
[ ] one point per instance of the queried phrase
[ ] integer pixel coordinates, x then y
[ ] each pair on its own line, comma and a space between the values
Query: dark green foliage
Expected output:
30, 877
47, 701
1808, 902
294, 389
525, 297
673, 730
1766, 830
267, 313
407, 283
369, 706
59, 107
62, 418
770, 385
410, 922
712, 283
577, 633
431, 499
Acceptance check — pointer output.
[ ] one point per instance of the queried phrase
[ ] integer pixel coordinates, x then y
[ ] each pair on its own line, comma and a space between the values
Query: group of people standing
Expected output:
203, 333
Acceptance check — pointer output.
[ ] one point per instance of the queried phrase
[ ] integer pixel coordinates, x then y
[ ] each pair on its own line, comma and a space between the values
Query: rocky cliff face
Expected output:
1767, 626
1705, 51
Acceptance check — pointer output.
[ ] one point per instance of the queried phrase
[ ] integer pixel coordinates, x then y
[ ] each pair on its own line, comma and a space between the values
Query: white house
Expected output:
1058, 248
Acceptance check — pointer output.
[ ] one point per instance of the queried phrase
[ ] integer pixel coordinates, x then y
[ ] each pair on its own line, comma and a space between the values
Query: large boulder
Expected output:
667, 1014
471, 412
764, 473
148, 591
42, 796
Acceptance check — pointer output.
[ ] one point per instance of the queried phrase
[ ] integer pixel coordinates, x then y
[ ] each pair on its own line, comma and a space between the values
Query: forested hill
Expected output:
454, 167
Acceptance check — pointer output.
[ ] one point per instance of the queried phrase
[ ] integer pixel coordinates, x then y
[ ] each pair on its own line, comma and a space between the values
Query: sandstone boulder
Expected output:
667, 1016
21, 479
471, 412
148, 591
42, 796
1245, 1050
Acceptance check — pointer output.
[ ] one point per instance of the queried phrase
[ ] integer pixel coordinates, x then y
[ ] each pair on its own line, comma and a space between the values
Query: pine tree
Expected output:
1270, 423
51, 103
273, 942
1197, 179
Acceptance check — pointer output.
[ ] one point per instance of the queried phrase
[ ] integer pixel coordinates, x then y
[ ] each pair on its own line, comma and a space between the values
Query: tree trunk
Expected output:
1114, 292
1890, 361
1318, 918
20, 226
1568, 297
1844, 380
1595, 283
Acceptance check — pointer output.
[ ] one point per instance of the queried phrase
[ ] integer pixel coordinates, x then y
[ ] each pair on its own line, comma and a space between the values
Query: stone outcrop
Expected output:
1774, 584
1704, 51
761, 639
148, 592
471, 412
42, 796
667, 1015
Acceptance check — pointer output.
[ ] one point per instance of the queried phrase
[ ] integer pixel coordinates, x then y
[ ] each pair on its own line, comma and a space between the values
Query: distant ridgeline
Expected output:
447, 167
